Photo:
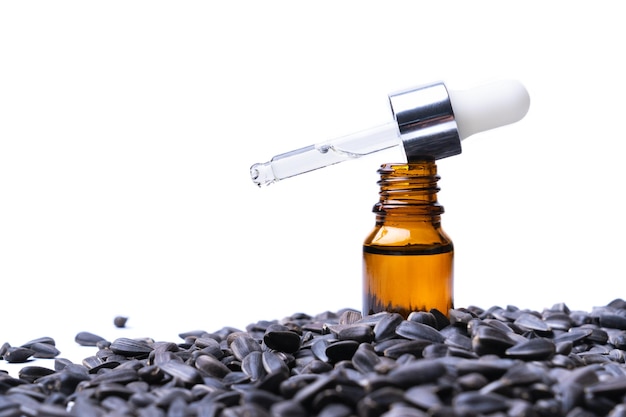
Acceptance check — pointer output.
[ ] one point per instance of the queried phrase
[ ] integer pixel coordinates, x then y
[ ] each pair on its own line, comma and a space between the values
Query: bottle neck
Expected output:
408, 192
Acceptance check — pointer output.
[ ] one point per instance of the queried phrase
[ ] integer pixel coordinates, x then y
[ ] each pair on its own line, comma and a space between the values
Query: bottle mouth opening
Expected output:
421, 167
412, 175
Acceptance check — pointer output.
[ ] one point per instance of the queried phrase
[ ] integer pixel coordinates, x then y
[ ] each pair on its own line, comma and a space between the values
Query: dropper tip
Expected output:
262, 174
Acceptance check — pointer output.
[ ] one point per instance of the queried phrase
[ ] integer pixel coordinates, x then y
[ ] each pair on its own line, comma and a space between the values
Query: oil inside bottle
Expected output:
403, 280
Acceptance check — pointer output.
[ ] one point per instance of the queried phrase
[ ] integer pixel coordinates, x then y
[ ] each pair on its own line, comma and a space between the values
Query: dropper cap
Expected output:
428, 122
433, 121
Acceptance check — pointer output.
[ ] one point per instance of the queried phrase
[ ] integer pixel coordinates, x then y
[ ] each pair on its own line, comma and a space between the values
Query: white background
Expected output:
127, 129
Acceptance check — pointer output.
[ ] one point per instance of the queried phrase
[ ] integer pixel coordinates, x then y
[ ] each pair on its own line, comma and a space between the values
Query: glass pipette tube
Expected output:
325, 154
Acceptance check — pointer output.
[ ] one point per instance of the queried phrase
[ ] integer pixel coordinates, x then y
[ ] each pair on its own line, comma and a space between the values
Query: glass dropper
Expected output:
428, 122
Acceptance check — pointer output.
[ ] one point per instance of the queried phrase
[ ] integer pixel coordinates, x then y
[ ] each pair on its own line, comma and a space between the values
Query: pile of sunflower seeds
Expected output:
471, 362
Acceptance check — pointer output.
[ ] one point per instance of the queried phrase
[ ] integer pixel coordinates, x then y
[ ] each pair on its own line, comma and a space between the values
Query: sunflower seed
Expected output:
252, 365
211, 366
476, 402
283, 340
424, 396
46, 340
423, 317
120, 321
415, 373
365, 359
419, 331
350, 317
490, 340
532, 322
87, 339
273, 363
288, 408
44, 350
532, 349
385, 328
614, 321
18, 354
358, 333
32, 373
242, 345
341, 350
182, 372
131, 347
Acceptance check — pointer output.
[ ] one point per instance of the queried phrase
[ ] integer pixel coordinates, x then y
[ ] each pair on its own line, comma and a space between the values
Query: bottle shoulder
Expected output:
422, 234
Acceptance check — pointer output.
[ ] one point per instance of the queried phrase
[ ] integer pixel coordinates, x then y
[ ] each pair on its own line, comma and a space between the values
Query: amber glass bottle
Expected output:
407, 257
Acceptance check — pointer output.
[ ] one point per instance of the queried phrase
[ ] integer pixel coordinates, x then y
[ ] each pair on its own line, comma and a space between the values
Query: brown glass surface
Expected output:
407, 257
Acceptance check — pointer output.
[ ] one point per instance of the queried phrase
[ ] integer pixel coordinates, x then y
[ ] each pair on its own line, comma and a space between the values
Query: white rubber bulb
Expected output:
489, 106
